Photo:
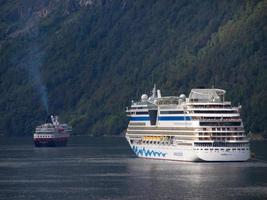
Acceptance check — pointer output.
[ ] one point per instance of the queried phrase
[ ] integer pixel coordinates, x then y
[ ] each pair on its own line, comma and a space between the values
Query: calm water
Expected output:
105, 168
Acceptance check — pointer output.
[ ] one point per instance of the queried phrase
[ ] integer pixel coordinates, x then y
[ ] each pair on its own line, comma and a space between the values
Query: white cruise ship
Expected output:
200, 127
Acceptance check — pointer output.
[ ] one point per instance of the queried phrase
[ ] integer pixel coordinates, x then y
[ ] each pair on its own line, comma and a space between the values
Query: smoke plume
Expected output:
33, 56
33, 65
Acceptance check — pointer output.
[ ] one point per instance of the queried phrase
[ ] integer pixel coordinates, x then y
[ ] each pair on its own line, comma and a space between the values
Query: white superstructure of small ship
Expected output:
52, 133
202, 127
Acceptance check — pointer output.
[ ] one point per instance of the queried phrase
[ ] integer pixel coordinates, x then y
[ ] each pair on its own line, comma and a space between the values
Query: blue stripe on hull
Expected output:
175, 118
139, 118
165, 118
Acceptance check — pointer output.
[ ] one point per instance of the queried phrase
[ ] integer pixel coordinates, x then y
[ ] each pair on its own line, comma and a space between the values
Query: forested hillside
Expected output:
85, 60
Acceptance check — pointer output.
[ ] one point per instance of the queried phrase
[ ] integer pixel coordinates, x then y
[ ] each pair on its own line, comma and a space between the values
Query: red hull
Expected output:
50, 142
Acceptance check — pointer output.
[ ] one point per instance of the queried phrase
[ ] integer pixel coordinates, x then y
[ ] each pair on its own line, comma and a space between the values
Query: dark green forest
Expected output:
90, 58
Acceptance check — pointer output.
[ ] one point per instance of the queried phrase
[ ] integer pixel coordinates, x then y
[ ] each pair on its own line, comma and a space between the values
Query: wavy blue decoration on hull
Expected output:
147, 152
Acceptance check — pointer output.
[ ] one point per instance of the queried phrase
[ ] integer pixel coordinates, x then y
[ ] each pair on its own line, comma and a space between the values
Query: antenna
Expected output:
158, 94
153, 77
154, 91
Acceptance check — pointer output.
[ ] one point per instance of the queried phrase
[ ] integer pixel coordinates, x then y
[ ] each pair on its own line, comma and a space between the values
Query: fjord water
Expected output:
105, 168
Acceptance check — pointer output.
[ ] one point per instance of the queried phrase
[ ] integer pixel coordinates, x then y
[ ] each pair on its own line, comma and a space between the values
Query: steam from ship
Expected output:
33, 58
34, 65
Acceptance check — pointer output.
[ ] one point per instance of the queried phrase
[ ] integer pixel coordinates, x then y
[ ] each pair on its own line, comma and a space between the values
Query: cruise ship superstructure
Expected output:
200, 127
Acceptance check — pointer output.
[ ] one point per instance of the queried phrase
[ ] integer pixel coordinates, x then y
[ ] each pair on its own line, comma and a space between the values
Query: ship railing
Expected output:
221, 144
225, 104
45, 129
219, 119
221, 136
222, 139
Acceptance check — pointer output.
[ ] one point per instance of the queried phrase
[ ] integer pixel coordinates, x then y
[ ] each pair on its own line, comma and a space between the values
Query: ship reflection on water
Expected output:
106, 168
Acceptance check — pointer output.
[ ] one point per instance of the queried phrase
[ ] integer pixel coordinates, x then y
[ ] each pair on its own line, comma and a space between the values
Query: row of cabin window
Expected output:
151, 142
139, 113
220, 123
221, 144
221, 134
224, 129
216, 118
219, 138
44, 136
156, 142
215, 111
161, 112
243, 149
182, 112
211, 106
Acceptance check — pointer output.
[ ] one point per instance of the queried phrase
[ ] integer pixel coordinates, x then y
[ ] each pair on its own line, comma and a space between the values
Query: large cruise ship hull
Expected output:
223, 155
189, 153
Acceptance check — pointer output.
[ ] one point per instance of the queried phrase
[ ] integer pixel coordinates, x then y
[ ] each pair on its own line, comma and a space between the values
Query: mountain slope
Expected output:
92, 57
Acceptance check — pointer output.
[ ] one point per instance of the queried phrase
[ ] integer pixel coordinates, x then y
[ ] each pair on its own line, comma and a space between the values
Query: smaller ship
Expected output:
52, 133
